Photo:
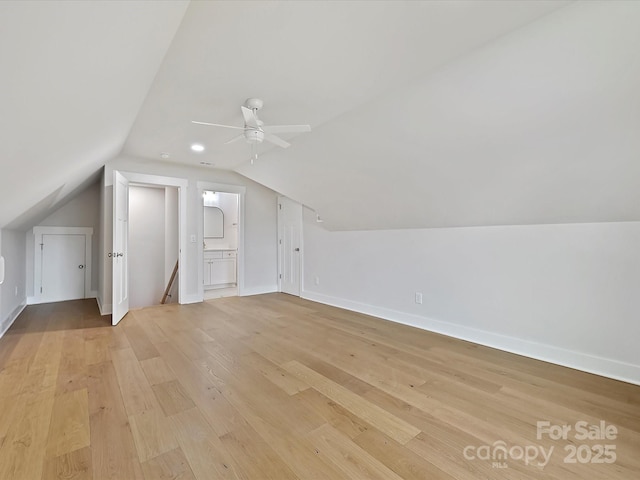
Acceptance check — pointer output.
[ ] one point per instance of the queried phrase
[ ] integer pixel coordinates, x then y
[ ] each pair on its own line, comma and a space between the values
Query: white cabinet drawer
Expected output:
213, 254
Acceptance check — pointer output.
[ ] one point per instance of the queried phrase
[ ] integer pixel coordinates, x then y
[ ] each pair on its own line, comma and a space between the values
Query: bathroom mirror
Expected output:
213, 222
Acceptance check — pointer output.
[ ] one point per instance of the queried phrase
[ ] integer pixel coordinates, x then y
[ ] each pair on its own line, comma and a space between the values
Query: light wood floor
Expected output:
277, 387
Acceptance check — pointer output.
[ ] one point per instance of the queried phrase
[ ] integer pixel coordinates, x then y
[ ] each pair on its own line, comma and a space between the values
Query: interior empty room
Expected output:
319, 240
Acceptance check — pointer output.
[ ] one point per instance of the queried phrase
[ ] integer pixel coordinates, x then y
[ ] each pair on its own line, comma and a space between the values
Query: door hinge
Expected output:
280, 276
40, 289
280, 241
280, 206
42, 246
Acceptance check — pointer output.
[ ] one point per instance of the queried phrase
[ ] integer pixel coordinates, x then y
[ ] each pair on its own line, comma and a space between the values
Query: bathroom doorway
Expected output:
220, 245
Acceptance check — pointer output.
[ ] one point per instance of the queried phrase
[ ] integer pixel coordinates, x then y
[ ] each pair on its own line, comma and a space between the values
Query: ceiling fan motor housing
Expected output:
254, 103
253, 135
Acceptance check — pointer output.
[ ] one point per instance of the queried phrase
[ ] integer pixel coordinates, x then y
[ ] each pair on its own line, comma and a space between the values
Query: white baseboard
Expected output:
605, 367
105, 309
6, 323
35, 300
248, 291
190, 298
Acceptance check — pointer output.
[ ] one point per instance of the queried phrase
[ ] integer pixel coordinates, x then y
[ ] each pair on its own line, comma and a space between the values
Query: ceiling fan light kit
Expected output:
255, 131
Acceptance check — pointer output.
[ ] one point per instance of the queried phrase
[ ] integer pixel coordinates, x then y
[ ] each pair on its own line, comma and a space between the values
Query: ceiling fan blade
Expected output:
235, 139
250, 118
217, 125
286, 128
276, 140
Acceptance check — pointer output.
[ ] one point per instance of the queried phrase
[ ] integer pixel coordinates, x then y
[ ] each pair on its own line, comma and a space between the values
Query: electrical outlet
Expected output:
317, 280
418, 298
193, 239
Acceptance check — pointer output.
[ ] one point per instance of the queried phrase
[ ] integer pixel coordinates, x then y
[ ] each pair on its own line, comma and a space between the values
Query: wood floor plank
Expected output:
278, 376
297, 452
10, 406
172, 397
113, 452
171, 465
396, 457
205, 454
335, 415
23, 450
156, 371
146, 321
220, 414
97, 350
141, 345
134, 387
73, 366
75, 465
354, 462
69, 428
393, 426
247, 389
152, 434
12, 376
245, 443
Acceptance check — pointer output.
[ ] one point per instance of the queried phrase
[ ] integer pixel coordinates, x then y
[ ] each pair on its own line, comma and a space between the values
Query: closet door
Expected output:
63, 267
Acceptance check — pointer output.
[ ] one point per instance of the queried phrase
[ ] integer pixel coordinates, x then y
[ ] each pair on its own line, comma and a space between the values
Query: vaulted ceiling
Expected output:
73, 78
424, 114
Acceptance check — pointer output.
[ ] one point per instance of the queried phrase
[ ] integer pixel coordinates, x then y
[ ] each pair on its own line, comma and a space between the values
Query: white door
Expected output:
120, 247
63, 267
290, 243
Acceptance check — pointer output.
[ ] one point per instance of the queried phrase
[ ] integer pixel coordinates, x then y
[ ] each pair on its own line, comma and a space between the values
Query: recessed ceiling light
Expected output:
196, 147
164, 155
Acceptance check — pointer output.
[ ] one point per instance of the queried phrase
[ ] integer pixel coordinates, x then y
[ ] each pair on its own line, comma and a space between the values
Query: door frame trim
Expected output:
38, 232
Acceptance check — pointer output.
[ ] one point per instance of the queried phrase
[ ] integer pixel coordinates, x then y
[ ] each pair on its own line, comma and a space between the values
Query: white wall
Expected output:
12, 292
562, 293
2, 319
171, 232
81, 211
260, 245
228, 203
146, 246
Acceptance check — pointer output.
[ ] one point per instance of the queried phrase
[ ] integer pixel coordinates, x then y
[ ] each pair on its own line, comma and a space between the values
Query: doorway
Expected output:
221, 240
220, 245
289, 246
121, 256
153, 244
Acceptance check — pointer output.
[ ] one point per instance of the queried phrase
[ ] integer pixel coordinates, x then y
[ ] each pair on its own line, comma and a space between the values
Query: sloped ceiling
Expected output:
540, 126
343, 67
74, 75
424, 114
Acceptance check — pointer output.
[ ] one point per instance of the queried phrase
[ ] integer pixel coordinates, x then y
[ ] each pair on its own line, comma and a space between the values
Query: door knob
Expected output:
80, 267
296, 249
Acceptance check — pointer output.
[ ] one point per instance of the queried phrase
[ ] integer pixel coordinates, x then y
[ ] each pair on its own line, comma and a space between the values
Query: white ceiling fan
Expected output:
255, 131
